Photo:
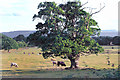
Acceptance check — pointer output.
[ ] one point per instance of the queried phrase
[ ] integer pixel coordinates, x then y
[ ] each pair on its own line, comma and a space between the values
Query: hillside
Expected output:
110, 33
13, 34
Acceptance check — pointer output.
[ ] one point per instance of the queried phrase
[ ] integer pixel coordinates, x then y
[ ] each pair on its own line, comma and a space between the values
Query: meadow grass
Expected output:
110, 47
36, 66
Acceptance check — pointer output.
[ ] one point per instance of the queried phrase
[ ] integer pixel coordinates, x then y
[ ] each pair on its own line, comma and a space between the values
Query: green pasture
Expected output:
35, 65
81, 73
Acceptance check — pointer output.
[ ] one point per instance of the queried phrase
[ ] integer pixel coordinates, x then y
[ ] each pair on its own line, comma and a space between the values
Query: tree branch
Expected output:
98, 10
84, 3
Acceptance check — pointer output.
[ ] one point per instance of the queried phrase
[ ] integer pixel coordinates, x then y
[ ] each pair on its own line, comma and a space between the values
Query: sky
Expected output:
17, 14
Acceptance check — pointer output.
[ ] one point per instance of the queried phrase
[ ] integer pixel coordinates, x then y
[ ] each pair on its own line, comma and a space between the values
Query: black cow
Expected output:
61, 63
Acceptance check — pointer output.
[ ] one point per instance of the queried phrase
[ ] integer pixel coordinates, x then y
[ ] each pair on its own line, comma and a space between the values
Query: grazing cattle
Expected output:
14, 64
53, 61
108, 62
39, 53
118, 52
112, 65
28, 53
61, 63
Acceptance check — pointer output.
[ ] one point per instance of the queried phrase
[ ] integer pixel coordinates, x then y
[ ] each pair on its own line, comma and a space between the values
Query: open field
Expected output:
35, 66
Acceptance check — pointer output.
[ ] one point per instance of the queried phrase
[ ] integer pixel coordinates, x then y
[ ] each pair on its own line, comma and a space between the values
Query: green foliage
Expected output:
9, 43
22, 44
116, 40
20, 38
66, 31
106, 40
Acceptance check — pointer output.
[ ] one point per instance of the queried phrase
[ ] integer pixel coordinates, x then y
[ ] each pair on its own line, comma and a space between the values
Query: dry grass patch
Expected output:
35, 65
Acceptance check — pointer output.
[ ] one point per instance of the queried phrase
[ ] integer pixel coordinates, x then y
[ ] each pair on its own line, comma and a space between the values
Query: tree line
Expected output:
21, 41
8, 43
107, 40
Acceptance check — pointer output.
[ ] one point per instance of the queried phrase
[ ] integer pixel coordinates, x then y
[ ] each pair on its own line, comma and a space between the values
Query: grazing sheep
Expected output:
61, 63
14, 64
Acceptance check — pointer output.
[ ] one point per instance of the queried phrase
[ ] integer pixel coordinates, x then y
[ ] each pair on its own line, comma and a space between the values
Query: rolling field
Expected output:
35, 66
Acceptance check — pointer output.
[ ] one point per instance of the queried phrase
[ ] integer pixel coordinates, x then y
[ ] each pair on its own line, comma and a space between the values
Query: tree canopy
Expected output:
8, 43
20, 38
66, 31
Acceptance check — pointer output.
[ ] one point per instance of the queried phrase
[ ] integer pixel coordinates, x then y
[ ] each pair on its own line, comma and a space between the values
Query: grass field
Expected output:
35, 66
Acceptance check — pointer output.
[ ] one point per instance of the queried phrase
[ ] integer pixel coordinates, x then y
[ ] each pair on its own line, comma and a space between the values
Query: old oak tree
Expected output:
66, 31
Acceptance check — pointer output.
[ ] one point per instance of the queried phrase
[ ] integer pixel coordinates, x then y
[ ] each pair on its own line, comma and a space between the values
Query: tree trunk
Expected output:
74, 62
8, 50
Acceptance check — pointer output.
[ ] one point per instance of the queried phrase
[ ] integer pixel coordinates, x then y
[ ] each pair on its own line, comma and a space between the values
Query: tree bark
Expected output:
74, 62
8, 50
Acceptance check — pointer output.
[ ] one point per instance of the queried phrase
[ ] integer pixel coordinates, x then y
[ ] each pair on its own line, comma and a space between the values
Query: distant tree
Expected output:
22, 44
66, 31
30, 41
20, 38
116, 40
9, 43
103, 40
